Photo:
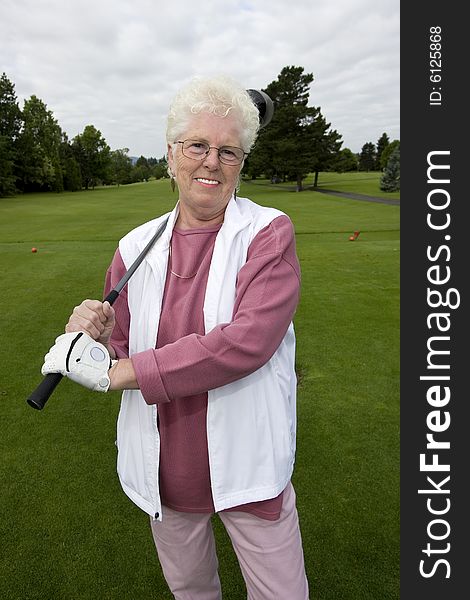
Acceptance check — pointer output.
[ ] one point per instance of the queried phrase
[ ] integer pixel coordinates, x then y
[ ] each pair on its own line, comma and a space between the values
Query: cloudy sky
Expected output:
117, 64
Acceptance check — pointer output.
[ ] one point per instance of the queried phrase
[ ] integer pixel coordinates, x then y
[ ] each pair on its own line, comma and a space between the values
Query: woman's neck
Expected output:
187, 220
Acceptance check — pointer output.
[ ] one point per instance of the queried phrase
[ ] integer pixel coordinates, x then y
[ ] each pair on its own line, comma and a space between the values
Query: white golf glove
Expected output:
80, 358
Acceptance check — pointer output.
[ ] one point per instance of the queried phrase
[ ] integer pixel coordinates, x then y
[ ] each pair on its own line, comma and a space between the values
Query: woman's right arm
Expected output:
105, 323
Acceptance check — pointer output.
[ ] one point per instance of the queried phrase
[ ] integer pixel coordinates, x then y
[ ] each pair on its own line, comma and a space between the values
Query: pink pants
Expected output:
269, 553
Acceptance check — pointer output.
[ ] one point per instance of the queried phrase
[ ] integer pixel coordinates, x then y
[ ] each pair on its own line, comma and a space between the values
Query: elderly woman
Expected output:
202, 344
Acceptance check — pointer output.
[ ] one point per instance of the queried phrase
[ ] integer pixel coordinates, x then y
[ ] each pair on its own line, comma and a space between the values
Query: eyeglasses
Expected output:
229, 155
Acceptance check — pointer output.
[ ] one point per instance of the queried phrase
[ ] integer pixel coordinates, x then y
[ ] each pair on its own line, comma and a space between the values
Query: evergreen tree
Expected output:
298, 140
367, 157
283, 150
282, 141
327, 146
382, 143
10, 125
390, 180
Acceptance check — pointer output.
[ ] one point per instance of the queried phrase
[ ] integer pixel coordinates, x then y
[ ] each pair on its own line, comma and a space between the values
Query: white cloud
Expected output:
117, 64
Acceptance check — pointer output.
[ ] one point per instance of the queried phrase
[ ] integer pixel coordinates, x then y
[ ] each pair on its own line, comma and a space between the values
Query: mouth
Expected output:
207, 182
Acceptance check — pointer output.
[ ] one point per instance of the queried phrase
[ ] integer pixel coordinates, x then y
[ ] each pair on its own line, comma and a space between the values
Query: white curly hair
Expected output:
219, 95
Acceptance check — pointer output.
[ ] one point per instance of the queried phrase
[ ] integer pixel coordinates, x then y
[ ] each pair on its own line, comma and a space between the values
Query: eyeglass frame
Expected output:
206, 153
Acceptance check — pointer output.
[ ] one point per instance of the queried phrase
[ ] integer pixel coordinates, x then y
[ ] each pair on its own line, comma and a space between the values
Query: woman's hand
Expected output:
94, 318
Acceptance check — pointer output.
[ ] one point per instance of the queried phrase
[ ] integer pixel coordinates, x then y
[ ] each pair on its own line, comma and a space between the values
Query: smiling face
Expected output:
205, 186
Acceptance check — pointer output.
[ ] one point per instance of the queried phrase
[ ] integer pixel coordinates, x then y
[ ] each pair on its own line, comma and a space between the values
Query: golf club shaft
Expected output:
41, 394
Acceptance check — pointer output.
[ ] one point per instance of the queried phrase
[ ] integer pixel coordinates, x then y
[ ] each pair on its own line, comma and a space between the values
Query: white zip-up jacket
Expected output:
251, 423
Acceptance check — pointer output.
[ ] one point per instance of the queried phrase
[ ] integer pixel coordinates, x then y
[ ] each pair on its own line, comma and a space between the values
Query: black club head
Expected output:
264, 104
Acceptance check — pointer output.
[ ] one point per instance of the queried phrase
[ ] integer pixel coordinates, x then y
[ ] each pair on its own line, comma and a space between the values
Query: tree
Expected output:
283, 149
92, 154
297, 140
70, 167
72, 175
7, 175
367, 157
387, 152
142, 169
39, 143
10, 125
327, 145
121, 166
390, 180
345, 161
159, 167
382, 143
10, 113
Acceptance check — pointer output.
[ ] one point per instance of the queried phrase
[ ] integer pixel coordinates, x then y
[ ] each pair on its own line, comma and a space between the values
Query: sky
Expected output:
116, 64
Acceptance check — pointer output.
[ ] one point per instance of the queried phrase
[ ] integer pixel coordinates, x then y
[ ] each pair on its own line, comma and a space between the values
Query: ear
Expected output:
171, 160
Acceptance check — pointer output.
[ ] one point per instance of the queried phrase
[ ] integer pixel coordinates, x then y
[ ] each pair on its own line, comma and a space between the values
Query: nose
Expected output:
211, 158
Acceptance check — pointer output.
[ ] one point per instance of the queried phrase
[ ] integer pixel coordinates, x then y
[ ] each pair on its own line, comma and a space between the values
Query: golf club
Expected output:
41, 394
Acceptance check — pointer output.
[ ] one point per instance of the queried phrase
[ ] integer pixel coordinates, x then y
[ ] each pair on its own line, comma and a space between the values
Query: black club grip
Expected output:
41, 394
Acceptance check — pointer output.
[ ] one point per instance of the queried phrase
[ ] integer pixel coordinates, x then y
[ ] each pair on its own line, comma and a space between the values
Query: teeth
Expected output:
208, 181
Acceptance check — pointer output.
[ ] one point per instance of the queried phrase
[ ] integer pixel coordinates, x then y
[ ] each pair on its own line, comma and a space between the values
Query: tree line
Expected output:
36, 155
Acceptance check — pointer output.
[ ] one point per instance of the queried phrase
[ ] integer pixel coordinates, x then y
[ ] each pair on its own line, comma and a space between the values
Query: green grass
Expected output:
68, 531
358, 182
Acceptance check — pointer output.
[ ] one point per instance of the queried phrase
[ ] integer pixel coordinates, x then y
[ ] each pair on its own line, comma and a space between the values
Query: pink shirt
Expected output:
187, 362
